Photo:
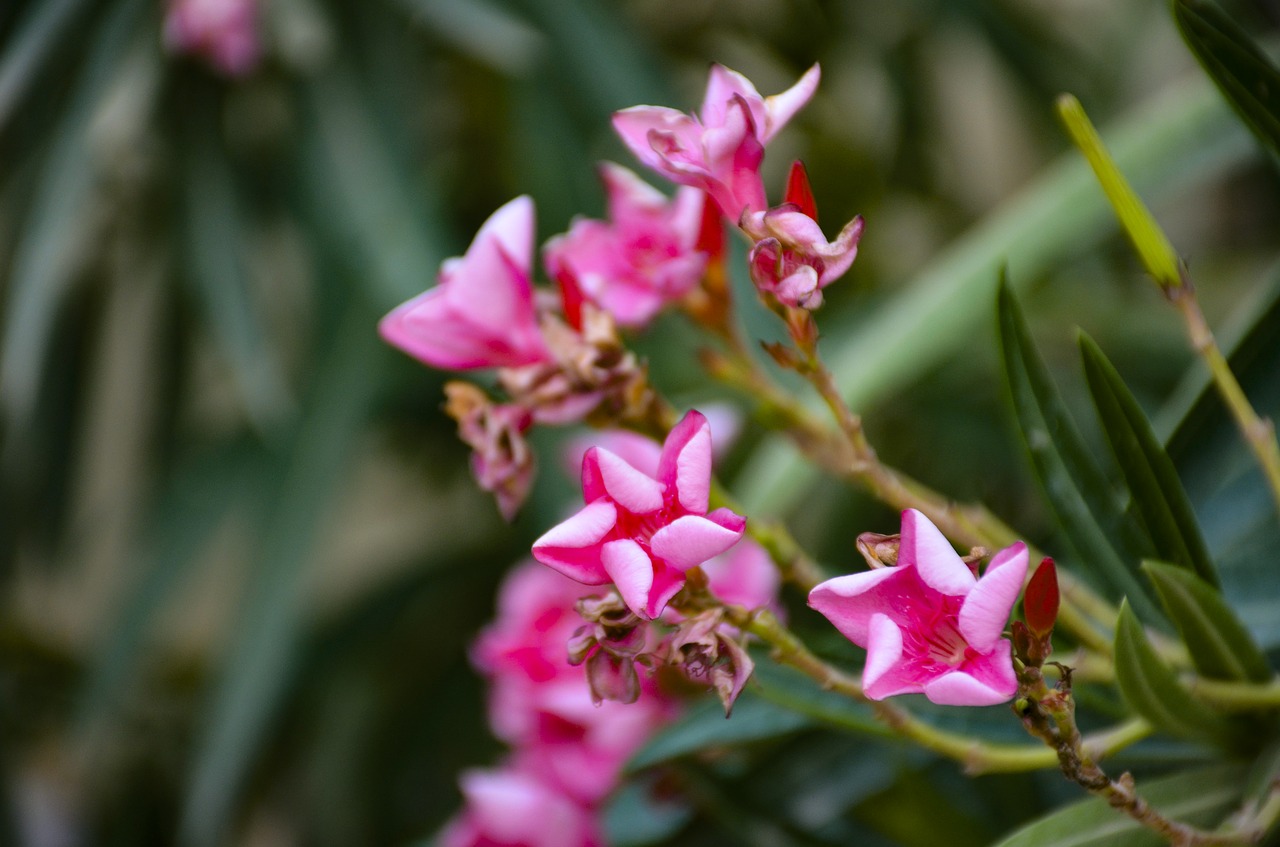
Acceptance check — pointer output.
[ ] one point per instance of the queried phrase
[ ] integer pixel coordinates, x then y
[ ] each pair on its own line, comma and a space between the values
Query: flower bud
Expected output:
879, 550
1040, 602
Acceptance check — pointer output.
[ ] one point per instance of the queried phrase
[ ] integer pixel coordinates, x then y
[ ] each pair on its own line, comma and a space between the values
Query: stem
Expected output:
976, 756
1259, 433
1050, 716
1238, 696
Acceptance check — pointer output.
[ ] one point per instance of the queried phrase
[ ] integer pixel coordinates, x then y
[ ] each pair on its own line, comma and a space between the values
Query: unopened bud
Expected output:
1040, 602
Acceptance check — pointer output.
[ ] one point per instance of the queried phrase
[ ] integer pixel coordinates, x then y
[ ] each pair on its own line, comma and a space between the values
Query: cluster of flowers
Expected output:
558, 355
566, 689
565, 693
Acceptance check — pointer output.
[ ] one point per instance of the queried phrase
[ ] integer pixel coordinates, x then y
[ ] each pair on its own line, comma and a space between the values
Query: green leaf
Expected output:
58, 224
705, 726
1089, 509
1185, 135
261, 664
1220, 646
1200, 797
1152, 689
1153, 483
1247, 79
634, 816
34, 40
1152, 245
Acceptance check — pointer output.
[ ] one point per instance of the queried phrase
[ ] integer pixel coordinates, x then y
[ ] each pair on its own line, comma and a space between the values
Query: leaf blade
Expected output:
1153, 482
1219, 644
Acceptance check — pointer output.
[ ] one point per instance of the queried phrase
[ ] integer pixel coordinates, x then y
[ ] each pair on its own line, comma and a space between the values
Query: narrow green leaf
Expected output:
1153, 482
1220, 646
1200, 797
636, 815
1245, 76
31, 44
1089, 509
1184, 136
261, 664
705, 726
1148, 239
1152, 689
216, 251
57, 226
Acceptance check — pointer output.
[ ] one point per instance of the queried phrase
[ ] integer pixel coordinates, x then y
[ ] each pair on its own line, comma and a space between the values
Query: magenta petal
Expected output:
960, 689
884, 651
631, 489
691, 540
986, 608
571, 547
636, 125
850, 601
667, 582
686, 461
937, 562
631, 570
995, 669
780, 108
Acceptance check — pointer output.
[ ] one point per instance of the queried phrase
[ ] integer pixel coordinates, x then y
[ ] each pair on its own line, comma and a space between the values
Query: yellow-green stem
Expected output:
1259, 433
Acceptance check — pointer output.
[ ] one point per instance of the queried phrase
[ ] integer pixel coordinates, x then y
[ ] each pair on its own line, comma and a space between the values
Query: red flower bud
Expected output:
799, 191
1040, 603
711, 238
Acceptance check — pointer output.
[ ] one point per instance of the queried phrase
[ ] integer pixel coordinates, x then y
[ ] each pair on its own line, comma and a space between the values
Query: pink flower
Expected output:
744, 576
224, 32
792, 259
928, 624
720, 149
644, 258
542, 705
642, 532
481, 314
512, 808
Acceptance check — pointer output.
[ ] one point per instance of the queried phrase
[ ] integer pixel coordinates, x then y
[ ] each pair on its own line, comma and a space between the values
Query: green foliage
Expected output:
1152, 689
1220, 646
1248, 80
1157, 493
1200, 797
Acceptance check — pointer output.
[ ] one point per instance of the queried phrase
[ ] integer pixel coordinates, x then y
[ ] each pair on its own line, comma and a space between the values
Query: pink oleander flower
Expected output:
720, 149
541, 704
513, 808
481, 313
641, 532
928, 624
644, 258
745, 576
223, 32
792, 259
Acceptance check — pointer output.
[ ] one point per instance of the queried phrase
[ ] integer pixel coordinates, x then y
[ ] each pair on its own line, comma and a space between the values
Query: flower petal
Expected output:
631, 569
780, 108
667, 582
691, 540
631, 489
958, 688
986, 608
573, 546
884, 651
686, 462
850, 601
933, 557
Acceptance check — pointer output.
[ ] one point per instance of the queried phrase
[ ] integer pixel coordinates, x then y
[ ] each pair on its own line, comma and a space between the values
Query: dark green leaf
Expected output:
1244, 75
635, 816
261, 663
1152, 689
1200, 797
1092, 514
705, 726
1153, 483
1219, 644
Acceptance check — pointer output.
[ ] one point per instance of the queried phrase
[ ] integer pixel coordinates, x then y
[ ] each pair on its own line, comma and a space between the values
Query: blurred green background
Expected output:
241, 555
